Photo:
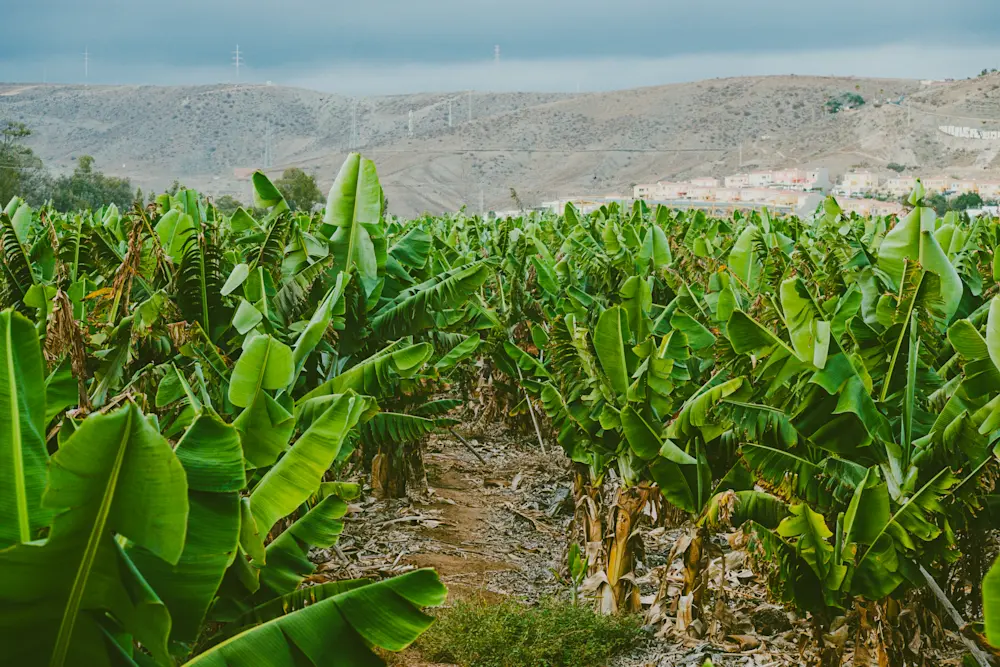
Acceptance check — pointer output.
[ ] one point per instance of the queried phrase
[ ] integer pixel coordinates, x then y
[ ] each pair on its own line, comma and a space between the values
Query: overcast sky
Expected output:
389, 46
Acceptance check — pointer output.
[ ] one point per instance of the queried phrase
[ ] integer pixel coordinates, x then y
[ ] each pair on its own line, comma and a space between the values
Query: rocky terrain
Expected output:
543, 146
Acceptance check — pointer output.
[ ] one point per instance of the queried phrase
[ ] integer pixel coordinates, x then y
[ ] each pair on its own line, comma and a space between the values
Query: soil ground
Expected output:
503, 529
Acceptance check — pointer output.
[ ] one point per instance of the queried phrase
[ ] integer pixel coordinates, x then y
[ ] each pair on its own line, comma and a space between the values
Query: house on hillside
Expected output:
704, 182
761, 179
870, 207
899, 186
643, 191
788, 177
936, 184
963, 185
859, 181
738, 181
989, 190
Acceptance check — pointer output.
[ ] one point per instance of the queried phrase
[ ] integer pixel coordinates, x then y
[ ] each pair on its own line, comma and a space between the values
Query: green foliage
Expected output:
228, 204
831, 386
86, 188
966, 200
20, 169
299, 189
510, 634
844, 101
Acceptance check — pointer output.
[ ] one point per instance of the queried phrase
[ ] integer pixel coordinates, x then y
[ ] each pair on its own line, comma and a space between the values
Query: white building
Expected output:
859, 182
738, 181
989, 190
898, 186
788, 177
761, 179
704, 182
963, 185
936, 183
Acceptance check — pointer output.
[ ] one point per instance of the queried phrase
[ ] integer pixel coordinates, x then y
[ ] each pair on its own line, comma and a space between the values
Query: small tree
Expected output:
17, 161
227, 204
299, 189
896, 167
966, 200
938, 202
86, 188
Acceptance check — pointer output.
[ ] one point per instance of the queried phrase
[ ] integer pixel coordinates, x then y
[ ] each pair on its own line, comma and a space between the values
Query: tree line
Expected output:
23, 175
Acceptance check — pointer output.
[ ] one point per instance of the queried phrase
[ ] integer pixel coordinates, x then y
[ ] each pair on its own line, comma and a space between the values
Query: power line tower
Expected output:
237, 61
470, 105
411, 123
449, 113
496, 54
86, 64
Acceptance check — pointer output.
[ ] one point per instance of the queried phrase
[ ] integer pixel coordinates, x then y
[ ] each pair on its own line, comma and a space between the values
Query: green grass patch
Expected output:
510, 634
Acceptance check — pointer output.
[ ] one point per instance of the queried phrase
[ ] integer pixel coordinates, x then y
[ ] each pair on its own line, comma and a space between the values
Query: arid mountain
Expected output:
542, 145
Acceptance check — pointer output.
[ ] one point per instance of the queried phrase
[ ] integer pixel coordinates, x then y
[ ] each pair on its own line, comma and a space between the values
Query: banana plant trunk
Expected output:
695, 561
399, 470
620, 594
589, 515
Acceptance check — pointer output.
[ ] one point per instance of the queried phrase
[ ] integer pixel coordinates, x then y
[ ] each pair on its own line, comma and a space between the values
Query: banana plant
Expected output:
124, 556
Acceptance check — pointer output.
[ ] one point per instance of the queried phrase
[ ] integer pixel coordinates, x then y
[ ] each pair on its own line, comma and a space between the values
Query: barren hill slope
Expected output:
542, 145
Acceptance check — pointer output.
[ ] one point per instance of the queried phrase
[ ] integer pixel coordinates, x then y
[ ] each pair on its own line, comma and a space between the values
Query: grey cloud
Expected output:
299, 34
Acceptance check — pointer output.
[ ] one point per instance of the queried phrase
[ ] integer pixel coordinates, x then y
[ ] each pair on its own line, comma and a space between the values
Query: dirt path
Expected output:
493, 529
503, 529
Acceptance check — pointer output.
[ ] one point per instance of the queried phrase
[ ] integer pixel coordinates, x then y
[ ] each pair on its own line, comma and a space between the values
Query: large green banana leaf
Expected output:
213, 461
991, 603
287, 557
743, 260
812, 545
880, 568
265, 424
788, 471
297, 475
353, 221
266, 363
610, 339
115, 475
23, 458
266, 195
395, 428
338, 629
375, 376
331, 305
413, 309
731, 509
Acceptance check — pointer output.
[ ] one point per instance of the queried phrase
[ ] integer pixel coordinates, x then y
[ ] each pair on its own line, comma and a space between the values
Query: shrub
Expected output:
509, 634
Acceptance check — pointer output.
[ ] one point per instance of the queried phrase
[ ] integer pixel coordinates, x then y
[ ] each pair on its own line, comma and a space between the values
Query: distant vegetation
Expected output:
22, 174
844, 101
942, 204
299, 189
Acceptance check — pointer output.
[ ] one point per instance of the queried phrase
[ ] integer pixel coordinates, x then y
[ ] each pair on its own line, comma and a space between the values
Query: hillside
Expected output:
542, 145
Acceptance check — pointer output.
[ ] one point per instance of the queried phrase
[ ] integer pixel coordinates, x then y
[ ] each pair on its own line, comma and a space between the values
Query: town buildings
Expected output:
788, 185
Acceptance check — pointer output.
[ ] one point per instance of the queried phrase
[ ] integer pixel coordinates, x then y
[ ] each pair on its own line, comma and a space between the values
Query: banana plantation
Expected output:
191, 402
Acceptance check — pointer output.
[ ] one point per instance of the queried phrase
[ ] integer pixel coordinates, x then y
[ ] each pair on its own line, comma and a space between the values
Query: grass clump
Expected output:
510, 634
